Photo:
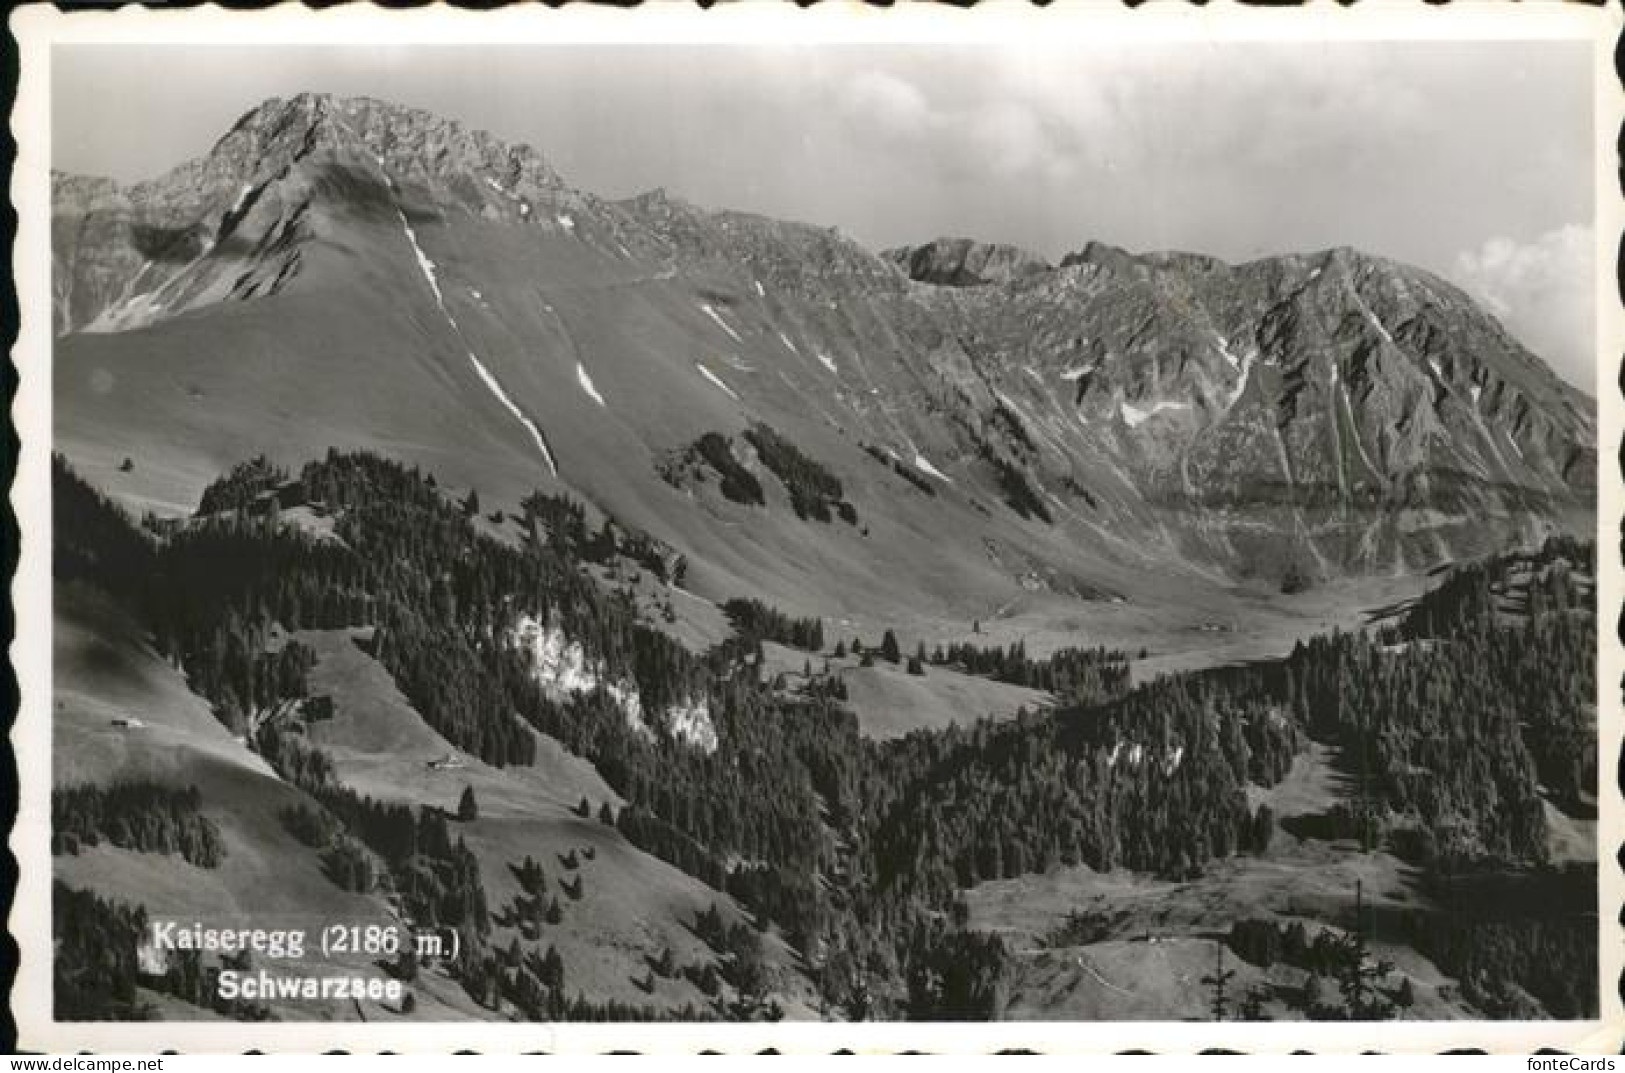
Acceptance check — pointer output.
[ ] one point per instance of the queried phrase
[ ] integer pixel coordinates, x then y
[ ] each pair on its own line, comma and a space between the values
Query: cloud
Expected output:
1185, 145
895, 105
1544, 291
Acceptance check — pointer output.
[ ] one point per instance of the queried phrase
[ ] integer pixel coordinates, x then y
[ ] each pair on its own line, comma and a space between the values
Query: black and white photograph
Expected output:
1024, 527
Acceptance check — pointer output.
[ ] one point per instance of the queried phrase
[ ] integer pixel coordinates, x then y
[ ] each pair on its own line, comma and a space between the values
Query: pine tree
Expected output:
468, 810
889, 651
1252, 1003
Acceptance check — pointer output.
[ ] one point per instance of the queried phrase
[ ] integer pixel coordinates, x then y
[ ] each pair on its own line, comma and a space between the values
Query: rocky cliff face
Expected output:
1333, 410
1369, 406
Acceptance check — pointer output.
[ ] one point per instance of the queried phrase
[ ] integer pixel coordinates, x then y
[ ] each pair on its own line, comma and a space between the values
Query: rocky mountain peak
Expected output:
1095, 252
964, 262
411, 143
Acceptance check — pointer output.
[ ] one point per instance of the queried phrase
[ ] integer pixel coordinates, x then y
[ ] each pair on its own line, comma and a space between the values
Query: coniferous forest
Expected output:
1457, 727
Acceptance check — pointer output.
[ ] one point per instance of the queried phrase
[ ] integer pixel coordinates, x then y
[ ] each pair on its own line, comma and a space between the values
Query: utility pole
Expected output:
1217, 981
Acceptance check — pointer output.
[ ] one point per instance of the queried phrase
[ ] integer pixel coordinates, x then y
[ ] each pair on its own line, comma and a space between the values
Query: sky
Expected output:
1473, 160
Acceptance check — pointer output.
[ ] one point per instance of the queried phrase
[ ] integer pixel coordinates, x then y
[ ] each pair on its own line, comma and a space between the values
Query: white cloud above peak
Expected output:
1543, 289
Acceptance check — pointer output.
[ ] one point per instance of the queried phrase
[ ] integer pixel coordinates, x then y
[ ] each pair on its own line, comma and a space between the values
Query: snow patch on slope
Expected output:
1369, 315
924, 465
1280, 449
717, 380
1244, 371
705, 307
786, 341
587, 385
1134, 417
427, 267
828, 362
1354, 429
513, 408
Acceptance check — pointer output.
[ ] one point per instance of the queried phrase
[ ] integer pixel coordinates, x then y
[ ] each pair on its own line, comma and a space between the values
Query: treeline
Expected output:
737, 483
815, 492
211, 591
908, 473
446, 610
344, 860
1153, 781
1560, 575
755, 619
143, 816
436, 875
94, 541
1019, 494
1433, 738
93, 964
1541, 657
240, 488
561, 523
1345, 981
1552, 960
1079, 675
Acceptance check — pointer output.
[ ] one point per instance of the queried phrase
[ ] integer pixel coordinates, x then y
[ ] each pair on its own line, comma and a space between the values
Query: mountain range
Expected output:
353, 273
